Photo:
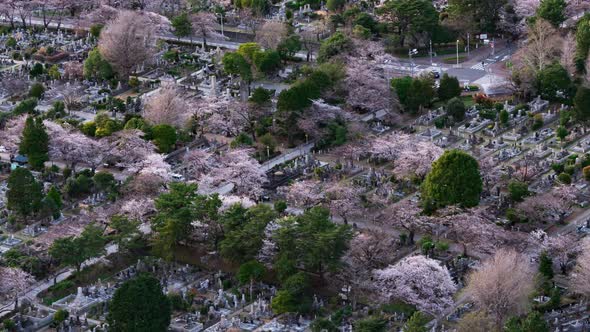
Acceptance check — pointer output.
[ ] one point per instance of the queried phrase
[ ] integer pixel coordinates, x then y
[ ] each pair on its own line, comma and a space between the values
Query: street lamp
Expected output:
457, 53
412, 51
468, 45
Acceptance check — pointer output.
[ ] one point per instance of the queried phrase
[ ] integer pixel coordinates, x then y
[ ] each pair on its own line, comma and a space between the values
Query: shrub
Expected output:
518, 190
452, 60
564, 178
333, 46
36, 90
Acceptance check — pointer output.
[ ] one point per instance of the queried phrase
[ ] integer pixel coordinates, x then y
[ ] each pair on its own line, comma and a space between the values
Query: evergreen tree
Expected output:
454, 179
312, 241
24, 193
546, 266
55, 196
371, 324
554, 83
35, 143
76, 250
533, 322
456, 109
182, 25
552, 11
139, 305
416, 323
581, 111
449, 87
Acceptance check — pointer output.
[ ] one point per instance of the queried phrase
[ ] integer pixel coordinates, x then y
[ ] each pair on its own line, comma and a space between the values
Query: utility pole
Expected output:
431, 52
493, 46
411, 62
468, 46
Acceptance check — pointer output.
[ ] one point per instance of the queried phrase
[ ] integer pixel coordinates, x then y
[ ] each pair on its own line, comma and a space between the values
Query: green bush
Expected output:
564, 178
452, 60
518, 190
333, 46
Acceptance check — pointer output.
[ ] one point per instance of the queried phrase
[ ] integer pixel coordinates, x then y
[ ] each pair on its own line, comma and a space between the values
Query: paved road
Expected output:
288, 155
31, 293
469, 71
226, 44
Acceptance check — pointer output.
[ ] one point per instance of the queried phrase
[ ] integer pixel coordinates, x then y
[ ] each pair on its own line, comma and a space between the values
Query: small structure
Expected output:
19, 161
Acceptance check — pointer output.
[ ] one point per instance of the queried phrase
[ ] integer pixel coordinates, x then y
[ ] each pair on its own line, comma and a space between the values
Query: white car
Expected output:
2, 149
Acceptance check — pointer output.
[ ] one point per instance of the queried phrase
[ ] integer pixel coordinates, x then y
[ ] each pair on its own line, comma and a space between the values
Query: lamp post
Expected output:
412, 51
430, 43
468, 48
457, 53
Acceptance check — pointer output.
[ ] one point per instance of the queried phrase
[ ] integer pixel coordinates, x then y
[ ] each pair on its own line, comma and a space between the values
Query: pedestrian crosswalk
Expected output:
478, 66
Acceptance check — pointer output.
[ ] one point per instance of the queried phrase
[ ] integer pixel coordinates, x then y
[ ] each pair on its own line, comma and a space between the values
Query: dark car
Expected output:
435, 74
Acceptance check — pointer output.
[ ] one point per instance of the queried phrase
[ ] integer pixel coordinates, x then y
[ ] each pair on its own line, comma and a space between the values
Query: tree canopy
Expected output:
454, 179
139, 305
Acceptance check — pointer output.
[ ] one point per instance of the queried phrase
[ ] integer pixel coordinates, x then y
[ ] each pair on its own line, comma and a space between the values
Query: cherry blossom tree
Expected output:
581, 277
238, 168
368, 88
13, 85
73, 70
222, 116
138, 208
517, 23
561, 248
269, 249
501, 296
204, 24
542, 47
13, 281
568, 52
474, 229
144, 185
127, 149
271, 34
417, 160
551, 206
417, 280
127, 42
344, 199
316, 117
575, 7
100, 15
167, 106
410, 157
230, 200
490, 173
407, 216
155, 165
10, 135
368, 250
8, 10
526, 168
371, 249
196, 163
69, 145
304, 194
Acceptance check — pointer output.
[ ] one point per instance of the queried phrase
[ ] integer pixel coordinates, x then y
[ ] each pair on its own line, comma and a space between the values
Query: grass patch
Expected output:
398, 307
87, 276
452, 60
